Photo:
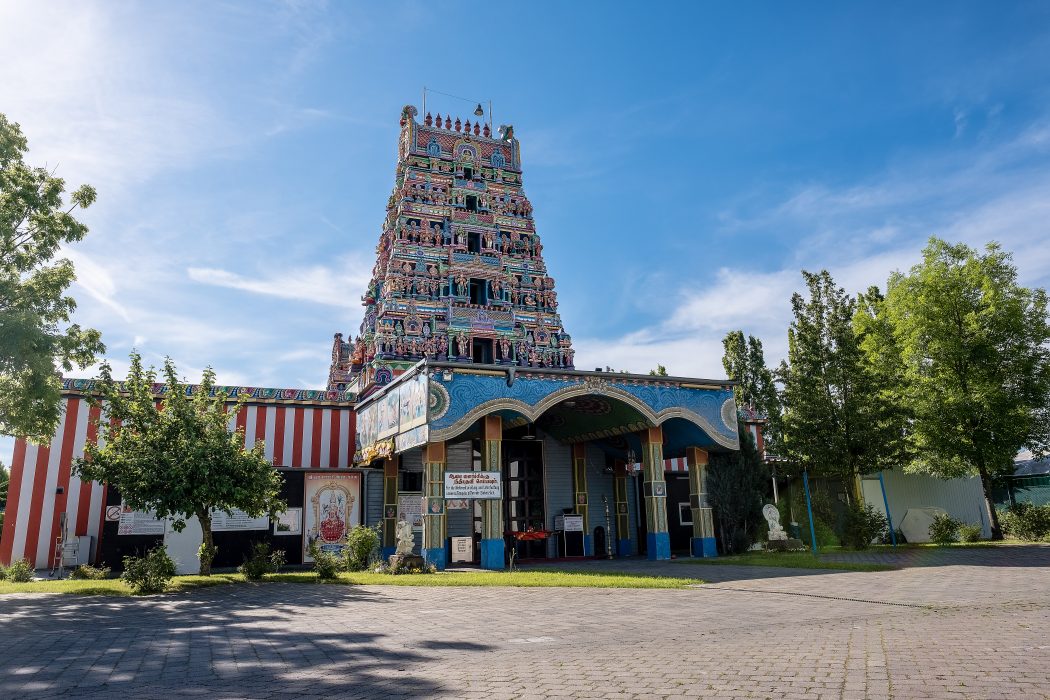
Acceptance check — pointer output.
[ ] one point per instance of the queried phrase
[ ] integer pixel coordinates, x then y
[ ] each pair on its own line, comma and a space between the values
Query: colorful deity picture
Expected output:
332, 508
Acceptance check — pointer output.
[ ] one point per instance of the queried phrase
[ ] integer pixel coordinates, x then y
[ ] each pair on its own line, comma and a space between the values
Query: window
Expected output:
478, 293
411, 481
474, 242
685, 514
472, 202
481, 352
468, 173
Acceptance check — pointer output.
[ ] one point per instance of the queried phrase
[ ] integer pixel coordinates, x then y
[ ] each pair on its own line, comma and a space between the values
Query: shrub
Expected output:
1026, 521
90, 573
20, 572
326, 565
861, 525
970, 532
3, 573
149, 573
944, 529
362, 542
261, 561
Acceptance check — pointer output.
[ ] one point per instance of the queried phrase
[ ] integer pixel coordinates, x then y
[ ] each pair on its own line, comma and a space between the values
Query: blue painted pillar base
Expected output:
703, 547
435, 557
623, 548
658, 546
492, 555
588, 545
387, 552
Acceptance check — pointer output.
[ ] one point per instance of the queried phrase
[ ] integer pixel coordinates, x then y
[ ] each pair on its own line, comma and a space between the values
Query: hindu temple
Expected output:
456, 406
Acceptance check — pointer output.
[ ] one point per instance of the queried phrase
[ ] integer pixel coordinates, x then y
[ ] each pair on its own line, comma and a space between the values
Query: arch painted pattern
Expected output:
471, 396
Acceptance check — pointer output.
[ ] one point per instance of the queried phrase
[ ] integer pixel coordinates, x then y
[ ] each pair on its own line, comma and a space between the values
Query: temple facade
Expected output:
457, 408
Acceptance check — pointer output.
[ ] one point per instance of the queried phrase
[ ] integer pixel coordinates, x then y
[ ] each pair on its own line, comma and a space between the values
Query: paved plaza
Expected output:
965, 623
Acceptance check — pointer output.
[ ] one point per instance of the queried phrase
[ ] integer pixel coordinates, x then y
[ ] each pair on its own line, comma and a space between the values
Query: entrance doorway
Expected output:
523, 495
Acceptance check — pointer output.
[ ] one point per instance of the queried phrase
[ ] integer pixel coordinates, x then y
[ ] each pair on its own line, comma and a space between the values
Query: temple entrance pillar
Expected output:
435, 526
658, 541
492, 544
623, 518
579, 493
702, 543
390, 465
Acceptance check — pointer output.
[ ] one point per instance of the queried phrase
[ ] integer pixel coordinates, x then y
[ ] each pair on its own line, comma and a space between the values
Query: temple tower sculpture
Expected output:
459, 273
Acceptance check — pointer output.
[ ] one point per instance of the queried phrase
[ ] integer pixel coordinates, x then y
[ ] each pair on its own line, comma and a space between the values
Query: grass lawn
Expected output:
525, 579
788, 560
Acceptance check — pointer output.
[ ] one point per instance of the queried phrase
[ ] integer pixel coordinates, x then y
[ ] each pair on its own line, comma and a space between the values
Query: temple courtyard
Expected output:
956, 623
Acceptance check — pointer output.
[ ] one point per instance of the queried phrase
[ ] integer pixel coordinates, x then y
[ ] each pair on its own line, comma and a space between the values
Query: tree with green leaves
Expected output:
179, 460
744, 361
736, 487
831, 412
660, 371
36, 338
975, 364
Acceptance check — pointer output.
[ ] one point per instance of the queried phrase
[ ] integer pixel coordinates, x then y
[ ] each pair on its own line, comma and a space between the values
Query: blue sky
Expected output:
685, 161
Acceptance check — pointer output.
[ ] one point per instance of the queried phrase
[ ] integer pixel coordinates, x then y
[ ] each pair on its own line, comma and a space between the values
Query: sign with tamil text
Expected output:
484, 485
237, 520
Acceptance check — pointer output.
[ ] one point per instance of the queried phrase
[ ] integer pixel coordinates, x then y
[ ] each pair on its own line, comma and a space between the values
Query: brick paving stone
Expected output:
953, 623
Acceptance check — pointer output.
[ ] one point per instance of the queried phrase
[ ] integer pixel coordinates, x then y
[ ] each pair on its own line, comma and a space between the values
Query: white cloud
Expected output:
317, 283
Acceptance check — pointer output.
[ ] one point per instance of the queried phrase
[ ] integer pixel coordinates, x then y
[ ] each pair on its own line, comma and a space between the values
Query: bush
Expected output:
90, 573
1026, 521
944, 529
970, 532
150, 573
861, 525
261, 561
326, 565
20, 572
362, 542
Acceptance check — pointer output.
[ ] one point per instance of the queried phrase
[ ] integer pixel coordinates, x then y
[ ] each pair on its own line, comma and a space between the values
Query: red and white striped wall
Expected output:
295, 436
678, 464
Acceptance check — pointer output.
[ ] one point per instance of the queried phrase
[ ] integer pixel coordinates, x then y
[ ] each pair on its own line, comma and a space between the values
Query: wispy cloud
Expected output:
317, 283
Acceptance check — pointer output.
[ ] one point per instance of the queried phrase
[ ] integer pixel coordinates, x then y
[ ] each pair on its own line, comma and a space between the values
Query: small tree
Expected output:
180, 459
975, 363
736, 485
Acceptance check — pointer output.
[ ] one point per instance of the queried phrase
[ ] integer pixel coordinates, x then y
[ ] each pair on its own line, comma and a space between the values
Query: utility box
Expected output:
462, 549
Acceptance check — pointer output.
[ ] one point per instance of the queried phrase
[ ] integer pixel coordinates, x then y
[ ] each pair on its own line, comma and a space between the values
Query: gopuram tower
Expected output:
459, 273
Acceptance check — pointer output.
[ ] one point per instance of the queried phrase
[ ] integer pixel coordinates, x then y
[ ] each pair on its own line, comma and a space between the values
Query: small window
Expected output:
474, 242
481, 352
477, 292
468, 173
685, 514
472, 202
411, 481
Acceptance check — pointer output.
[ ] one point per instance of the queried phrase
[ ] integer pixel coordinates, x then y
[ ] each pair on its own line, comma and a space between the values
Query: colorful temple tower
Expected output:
459, 274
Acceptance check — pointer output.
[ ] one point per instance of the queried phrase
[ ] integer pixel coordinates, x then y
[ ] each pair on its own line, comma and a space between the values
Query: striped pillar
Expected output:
435, 527
492, 546
623, 518
657, 539
390, 505
702, 543
579, 492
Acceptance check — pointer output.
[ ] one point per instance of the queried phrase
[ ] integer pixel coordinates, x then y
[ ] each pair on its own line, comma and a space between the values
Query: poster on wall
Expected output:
413, 397
481, 485
290, 522
389, 414
333, 505
137, 522
410, 508
237, 520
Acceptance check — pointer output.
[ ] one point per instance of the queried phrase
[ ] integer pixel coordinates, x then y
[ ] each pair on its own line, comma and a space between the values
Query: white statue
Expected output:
772, 516
405, 539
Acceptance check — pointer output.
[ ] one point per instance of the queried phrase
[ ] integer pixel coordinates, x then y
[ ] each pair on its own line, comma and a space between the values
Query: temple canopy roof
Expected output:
570, 405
